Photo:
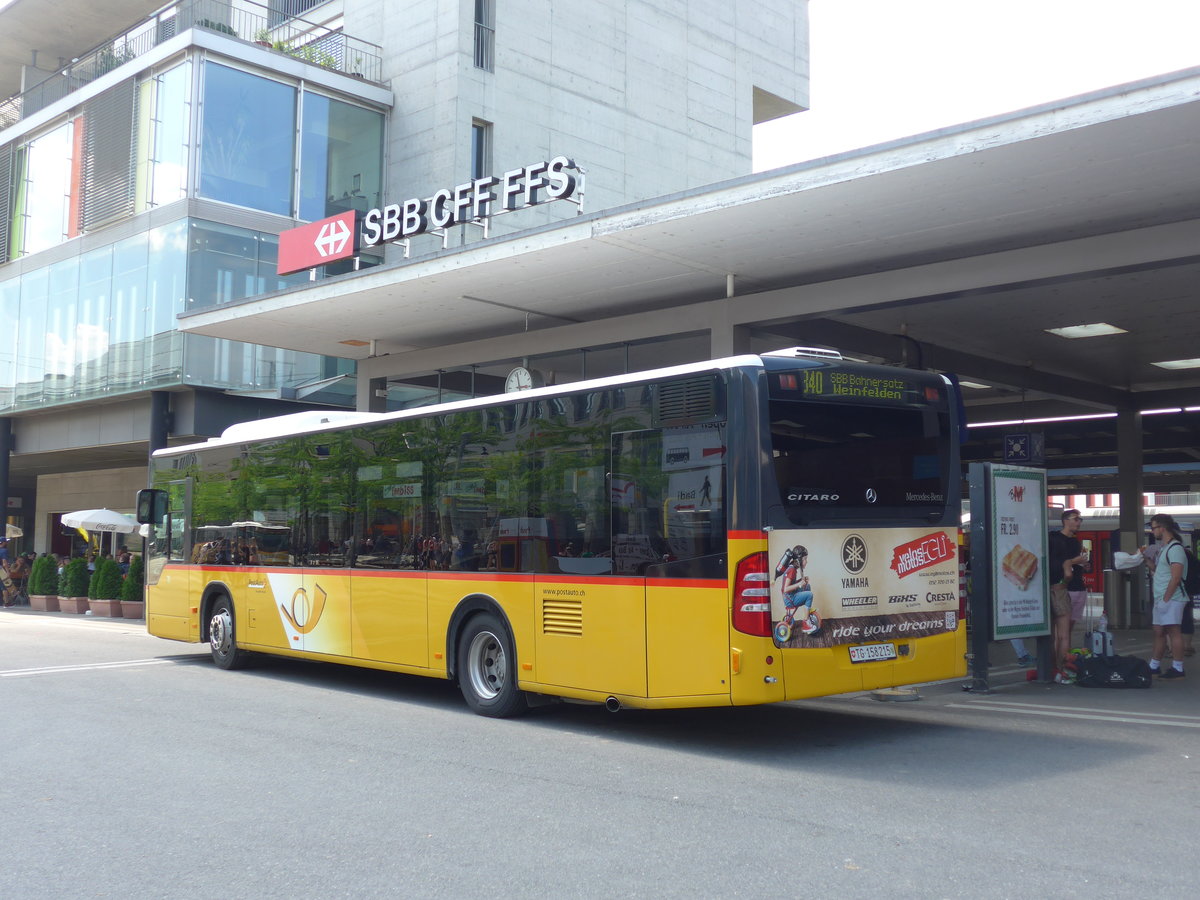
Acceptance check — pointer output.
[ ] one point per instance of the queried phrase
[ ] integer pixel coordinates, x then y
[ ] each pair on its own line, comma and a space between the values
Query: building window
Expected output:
47, 191
341, 158
481, 149
279, 11
247, 143
164, 110
485, 35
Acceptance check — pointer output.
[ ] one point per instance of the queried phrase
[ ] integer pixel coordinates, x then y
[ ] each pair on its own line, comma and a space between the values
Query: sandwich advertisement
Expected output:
1020, 588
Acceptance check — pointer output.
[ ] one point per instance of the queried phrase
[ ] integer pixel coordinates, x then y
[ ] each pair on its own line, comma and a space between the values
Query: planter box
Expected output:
43, 602
109, 608
133, 609
77, 605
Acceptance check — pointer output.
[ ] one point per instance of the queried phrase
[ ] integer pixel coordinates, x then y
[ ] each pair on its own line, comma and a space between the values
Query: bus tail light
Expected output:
752, 596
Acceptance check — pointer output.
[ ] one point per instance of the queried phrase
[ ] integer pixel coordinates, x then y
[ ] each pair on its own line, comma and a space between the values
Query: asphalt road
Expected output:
132, 767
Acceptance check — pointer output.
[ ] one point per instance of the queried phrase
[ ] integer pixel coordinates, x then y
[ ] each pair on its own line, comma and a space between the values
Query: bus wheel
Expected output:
221, 638
487, 668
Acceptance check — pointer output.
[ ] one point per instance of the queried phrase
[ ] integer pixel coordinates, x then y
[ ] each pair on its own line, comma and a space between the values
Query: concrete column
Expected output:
376, 395
160, 419
6, 448
1131, 481
726, 339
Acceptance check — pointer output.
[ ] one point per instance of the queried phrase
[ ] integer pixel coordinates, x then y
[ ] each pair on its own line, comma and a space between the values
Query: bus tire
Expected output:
487, 668
222, 638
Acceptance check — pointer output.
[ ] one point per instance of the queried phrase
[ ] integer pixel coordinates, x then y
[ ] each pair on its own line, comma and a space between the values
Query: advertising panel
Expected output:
846, 586
1020, 587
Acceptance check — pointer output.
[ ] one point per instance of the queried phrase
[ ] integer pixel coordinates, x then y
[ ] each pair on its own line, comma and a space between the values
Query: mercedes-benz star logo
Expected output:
871, 495
854, 554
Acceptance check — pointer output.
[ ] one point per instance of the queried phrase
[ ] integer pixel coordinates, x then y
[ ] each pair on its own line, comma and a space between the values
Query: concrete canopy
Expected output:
61, 31
968, 242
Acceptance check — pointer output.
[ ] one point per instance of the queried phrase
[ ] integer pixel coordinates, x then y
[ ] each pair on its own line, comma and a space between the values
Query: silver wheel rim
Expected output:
486, 669
220, 632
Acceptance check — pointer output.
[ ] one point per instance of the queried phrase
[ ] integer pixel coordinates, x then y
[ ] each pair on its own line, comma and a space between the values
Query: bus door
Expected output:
313, 603
169, 595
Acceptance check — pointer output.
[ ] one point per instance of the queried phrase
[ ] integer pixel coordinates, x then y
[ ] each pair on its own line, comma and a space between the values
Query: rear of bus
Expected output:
853, 584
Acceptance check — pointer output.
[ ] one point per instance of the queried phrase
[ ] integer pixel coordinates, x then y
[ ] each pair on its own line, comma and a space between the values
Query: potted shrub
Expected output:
73, 586
217, 26
263, 38
104, 590
132, 604
43, 584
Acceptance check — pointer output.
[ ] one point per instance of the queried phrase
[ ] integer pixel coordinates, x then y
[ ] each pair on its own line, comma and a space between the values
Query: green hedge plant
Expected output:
106, 581
43, 577
74, 579
131, 588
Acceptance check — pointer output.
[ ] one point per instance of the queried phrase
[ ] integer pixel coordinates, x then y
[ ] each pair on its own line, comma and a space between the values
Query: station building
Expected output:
151, 155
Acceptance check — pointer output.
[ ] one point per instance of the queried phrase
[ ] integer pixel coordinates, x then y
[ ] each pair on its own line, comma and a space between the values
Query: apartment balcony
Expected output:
311, 42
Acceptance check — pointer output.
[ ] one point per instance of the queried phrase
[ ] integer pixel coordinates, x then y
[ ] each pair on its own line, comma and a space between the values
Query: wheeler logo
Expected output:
922, 553
854, 554
851, 602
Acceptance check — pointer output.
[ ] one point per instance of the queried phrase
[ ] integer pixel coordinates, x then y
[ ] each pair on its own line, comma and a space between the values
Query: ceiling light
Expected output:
975, 384
1008, 422
1178, 364
355, 343
1084, 331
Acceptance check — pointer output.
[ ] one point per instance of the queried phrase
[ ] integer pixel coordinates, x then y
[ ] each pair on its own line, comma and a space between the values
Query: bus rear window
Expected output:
837, 461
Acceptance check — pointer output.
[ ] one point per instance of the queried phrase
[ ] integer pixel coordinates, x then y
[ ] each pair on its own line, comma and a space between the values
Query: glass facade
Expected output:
247, 140
130, 150
164, 130
46, 173
341, 158
103, 323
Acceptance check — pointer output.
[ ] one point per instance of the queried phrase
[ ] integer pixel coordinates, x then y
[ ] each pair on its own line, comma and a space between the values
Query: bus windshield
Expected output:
874, 454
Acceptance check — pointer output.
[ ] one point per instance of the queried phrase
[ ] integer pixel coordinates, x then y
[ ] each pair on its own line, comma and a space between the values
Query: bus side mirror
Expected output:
151, 506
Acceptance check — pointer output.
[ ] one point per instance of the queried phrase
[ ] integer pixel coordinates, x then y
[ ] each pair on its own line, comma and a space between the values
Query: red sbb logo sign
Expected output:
318, 243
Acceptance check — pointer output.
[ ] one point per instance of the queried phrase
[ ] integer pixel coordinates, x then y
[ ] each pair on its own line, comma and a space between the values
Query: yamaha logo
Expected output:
854, 554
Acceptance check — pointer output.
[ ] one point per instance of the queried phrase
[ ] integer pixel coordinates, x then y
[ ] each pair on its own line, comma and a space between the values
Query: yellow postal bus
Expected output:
739, 531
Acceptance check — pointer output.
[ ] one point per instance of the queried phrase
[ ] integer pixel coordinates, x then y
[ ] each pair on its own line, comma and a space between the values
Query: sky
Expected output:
884, 69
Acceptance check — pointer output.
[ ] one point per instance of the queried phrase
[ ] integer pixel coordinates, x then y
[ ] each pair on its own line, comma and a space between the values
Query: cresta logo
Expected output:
472, 200
301, 615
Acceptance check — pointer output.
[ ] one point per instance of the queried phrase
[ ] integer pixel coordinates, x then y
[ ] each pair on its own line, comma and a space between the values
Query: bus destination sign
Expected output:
832, 384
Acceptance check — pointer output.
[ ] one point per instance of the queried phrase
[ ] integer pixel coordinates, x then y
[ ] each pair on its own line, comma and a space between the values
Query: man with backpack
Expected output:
1168, 574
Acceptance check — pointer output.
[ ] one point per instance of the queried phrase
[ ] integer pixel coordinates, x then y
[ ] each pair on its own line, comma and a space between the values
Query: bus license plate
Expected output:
872, 652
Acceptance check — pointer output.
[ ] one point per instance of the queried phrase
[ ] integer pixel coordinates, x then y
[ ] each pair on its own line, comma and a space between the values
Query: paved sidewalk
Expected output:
1172, 697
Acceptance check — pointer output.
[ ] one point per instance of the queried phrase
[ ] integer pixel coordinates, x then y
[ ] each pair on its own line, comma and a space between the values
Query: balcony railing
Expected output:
309, 41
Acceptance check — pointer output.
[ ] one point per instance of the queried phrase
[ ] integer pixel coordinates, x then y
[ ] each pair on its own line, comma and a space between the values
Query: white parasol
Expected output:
106, 520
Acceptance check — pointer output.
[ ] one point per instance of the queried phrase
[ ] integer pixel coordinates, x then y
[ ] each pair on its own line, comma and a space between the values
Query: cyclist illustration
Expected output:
797, 595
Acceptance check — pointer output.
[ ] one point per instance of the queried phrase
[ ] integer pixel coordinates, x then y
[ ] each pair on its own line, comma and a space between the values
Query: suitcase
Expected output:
1099, 642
